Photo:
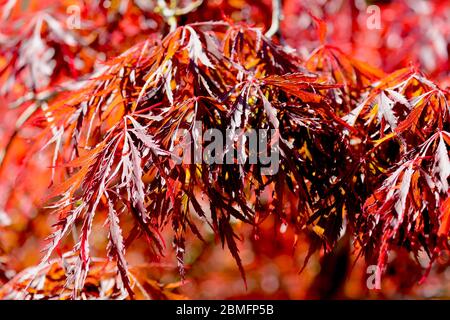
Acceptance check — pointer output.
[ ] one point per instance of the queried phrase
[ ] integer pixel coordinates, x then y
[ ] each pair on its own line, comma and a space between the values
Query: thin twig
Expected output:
276, 17
171, 12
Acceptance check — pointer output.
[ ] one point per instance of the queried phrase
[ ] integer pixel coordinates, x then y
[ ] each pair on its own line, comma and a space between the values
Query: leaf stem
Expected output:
276, 17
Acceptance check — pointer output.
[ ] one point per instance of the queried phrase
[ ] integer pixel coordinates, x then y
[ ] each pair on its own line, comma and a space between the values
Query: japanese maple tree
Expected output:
92, 116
